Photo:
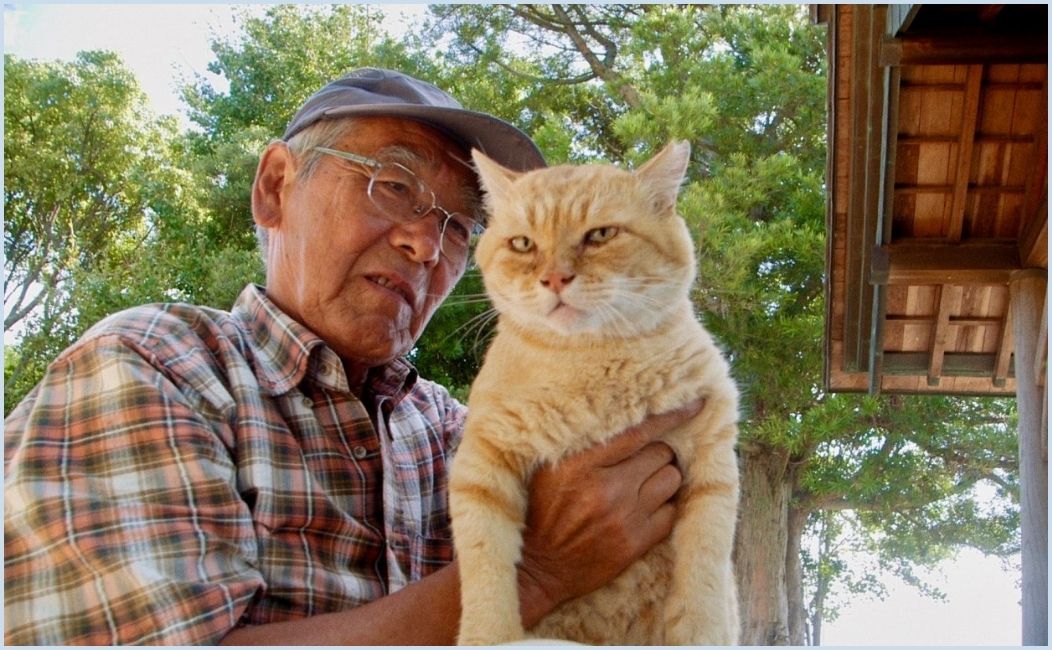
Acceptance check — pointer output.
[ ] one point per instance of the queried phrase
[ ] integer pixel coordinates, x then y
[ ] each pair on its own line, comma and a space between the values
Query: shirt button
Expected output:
360, 452
307, 403
326, 370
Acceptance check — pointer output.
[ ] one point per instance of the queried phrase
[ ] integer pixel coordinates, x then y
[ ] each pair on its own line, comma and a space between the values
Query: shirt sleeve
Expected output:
122, 519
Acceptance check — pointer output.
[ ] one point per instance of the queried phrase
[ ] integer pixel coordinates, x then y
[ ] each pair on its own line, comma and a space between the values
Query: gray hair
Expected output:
327, 133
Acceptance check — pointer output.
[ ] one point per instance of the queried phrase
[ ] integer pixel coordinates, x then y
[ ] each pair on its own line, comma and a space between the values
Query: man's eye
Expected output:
458, 228
395, 189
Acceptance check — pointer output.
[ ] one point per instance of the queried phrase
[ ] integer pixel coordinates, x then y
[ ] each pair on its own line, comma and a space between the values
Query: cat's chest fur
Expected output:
601, 387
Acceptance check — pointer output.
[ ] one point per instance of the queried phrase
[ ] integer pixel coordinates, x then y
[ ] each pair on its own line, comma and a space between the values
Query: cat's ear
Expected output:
664, 173
494, 179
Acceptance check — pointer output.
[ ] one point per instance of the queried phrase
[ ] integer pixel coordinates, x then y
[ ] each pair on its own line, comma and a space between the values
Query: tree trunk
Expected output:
794, 577
760, 548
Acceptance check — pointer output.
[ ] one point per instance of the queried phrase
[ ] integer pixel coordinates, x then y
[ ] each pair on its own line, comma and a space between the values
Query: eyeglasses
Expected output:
401, 197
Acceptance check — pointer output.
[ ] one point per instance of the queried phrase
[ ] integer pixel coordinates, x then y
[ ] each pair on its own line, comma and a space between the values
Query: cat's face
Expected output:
586, 249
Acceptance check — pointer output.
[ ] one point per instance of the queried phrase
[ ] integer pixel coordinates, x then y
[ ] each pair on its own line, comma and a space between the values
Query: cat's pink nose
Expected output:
557, 281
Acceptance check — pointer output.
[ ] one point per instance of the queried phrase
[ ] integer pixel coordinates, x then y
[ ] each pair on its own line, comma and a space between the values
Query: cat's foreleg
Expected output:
488, 508
702, 605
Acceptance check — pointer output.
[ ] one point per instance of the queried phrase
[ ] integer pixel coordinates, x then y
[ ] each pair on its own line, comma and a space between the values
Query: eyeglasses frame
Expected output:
376, 165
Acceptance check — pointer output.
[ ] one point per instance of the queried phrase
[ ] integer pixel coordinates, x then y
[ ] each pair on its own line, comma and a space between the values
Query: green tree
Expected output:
746, 86
89, 190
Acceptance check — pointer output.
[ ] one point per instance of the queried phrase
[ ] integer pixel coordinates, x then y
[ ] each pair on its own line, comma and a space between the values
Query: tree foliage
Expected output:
98, 212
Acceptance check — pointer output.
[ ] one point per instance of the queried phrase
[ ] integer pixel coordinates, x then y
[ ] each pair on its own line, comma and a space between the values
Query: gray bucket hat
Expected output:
373, 91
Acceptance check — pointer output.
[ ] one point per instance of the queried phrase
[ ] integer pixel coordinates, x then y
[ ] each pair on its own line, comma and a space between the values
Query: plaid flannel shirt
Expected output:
180, 471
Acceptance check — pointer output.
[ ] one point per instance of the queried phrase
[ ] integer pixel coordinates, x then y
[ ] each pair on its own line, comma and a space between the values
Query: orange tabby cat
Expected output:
590, 269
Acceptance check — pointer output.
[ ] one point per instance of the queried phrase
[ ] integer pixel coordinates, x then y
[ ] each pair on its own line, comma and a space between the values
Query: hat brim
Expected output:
497, 139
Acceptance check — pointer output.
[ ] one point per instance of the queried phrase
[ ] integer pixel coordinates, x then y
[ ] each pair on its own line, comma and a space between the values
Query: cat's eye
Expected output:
521, 244
602, 235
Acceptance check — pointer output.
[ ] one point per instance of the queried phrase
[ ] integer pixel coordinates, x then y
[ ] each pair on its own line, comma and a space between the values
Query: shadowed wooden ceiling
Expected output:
938, 192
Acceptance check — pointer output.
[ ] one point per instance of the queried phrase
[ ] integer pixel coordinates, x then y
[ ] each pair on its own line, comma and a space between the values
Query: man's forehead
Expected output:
423, 140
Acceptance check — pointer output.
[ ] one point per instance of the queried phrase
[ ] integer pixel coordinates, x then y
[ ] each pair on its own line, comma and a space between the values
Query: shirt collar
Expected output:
284, 352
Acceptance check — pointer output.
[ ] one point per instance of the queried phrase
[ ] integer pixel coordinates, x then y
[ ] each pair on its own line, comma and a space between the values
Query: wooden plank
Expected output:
953, 50
973, 88
968, 263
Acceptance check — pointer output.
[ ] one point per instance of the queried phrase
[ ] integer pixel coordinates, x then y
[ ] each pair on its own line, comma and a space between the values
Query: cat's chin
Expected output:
569, 321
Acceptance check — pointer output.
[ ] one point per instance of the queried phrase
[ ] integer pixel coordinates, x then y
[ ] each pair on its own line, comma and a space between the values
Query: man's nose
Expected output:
420, 240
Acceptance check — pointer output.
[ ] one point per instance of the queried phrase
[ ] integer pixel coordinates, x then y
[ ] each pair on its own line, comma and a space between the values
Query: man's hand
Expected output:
594, 513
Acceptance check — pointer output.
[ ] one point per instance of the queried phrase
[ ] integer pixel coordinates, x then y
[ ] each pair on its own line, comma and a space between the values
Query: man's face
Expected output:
366, 285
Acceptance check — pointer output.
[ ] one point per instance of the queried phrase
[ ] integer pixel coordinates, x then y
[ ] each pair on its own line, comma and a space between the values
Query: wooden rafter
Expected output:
972, 90
949, 299
1003, 361
1033, 238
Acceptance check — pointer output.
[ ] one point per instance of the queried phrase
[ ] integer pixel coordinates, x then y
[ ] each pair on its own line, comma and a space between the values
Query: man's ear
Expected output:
274, 175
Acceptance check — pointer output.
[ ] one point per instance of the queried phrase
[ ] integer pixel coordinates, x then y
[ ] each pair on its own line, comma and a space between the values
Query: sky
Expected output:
165, 43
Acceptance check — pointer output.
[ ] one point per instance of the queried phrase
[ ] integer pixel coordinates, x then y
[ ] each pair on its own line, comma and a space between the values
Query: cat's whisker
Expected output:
477, 323
612, 318
484, 326
457, 301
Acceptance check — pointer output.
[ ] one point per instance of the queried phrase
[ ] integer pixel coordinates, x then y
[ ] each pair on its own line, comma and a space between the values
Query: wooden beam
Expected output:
955, 321
1027, 291
949, 297
973, 87
979, 139
967, 263
964, 49
950, 189
1003, 360
954, 364
885, 220
864, 191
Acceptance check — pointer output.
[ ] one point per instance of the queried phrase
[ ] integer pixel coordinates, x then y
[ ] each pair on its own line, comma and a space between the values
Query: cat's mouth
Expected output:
565, 314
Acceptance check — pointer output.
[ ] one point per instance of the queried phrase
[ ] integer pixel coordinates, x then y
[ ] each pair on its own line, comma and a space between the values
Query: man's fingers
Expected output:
660, 525
659, 488
635, 438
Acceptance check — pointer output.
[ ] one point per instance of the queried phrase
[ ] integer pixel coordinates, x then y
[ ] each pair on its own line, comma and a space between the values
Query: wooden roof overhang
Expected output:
937, 192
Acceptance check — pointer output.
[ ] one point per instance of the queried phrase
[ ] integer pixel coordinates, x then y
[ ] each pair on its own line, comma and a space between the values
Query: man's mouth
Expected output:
392, 285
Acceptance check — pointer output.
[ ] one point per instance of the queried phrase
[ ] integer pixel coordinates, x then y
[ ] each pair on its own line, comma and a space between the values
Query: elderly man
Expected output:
277, 474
